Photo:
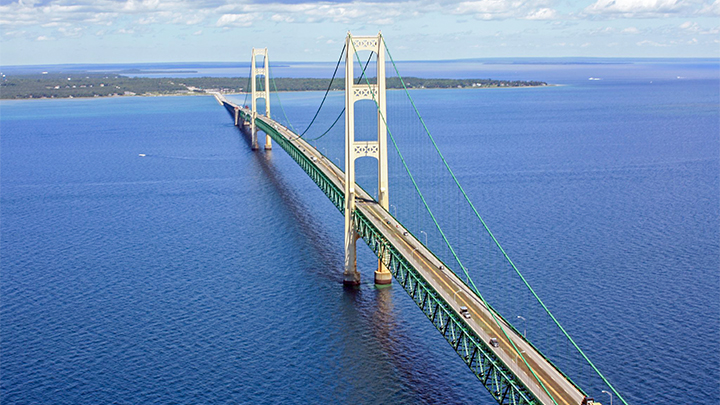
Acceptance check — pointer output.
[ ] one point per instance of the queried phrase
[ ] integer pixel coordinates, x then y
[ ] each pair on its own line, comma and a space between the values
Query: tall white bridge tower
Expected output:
257, 94
357, 149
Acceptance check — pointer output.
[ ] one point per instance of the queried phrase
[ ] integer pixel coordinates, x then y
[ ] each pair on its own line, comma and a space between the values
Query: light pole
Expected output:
393, 206
524, 325
455, 295
425, 237
610, 396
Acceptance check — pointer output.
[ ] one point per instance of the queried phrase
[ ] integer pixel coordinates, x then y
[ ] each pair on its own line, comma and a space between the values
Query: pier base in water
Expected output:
383, 277
351, 279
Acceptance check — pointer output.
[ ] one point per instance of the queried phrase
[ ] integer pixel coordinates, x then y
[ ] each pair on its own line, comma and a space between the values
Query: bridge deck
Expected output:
449, 286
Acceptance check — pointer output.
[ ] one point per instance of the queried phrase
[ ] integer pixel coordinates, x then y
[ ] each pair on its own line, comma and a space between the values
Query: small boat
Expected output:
142, 155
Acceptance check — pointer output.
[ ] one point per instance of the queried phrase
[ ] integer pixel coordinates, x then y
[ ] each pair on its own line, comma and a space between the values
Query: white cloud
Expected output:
227, 12
380, 13
282, 18
650, 43
103, 12
34, 19
542, 14
711, 9
191, 20
147, 20
502, 9
236, 20
70, 32
602, 31
690, 27
644, 8
14, 34
132, 6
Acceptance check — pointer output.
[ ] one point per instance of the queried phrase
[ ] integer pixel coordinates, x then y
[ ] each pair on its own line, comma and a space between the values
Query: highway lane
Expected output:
485, 322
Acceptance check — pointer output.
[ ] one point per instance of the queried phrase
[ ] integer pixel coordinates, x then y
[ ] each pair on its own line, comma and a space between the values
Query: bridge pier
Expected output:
351, 277
253, 135
382, 275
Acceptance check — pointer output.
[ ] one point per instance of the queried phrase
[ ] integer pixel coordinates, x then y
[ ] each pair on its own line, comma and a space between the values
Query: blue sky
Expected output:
132, 31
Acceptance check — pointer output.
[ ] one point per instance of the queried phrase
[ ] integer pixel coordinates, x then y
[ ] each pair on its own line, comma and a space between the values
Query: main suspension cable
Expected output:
343, 110
496, 242
278, 98
337, 65
437, 225
247, 88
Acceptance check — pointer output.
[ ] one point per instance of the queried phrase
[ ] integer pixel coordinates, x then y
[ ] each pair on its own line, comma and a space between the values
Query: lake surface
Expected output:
204, 272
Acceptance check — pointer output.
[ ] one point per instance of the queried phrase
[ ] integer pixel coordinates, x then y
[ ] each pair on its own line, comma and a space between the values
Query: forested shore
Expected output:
105, 85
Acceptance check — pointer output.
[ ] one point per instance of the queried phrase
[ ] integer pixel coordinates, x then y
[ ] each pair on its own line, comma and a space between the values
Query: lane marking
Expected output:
439, 277
442, 278
493, 327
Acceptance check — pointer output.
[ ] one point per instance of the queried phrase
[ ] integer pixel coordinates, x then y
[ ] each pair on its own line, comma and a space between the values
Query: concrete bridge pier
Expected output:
253, 132
382, 275
351, 277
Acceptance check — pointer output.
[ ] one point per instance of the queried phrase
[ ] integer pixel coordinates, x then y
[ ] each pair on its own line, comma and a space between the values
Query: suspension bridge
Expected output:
438, 277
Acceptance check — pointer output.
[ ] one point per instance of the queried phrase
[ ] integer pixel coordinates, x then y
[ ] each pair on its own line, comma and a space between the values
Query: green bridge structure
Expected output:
505, 362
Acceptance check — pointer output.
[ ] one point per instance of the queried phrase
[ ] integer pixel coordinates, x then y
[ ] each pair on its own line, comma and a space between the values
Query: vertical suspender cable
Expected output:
517, 271
497, 321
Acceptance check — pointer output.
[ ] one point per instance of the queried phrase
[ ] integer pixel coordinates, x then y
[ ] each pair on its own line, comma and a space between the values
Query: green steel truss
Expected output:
497, 378
492, 372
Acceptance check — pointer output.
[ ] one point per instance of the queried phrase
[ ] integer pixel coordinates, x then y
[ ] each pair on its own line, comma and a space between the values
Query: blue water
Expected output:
207, 273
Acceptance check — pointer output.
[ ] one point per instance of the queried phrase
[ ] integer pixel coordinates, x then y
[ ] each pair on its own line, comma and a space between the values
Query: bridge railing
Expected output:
491, 371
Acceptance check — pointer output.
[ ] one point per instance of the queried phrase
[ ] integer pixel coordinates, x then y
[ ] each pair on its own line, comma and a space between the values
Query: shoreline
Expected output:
195, 94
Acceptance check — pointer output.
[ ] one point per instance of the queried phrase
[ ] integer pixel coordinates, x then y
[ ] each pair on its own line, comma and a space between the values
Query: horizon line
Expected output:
506, 58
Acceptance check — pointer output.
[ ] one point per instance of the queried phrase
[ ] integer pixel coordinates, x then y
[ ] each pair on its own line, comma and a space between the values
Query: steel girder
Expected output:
490, 370
497, 378
336, 195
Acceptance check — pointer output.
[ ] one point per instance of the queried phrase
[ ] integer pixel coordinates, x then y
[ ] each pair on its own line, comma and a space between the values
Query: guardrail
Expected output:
492, 372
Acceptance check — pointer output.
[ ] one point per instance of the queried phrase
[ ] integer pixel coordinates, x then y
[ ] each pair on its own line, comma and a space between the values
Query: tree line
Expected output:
60, 85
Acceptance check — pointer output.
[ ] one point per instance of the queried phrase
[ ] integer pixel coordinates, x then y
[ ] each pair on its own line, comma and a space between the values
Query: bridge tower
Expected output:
265, 94
354, 149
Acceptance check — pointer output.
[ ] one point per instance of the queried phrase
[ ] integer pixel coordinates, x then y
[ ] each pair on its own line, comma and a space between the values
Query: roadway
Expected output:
484, 321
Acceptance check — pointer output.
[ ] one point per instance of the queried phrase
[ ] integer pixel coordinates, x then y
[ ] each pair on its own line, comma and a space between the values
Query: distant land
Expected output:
85, 84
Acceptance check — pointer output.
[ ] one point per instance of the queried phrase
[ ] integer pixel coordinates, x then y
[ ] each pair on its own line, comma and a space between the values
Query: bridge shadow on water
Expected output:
303, 220
401, 367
